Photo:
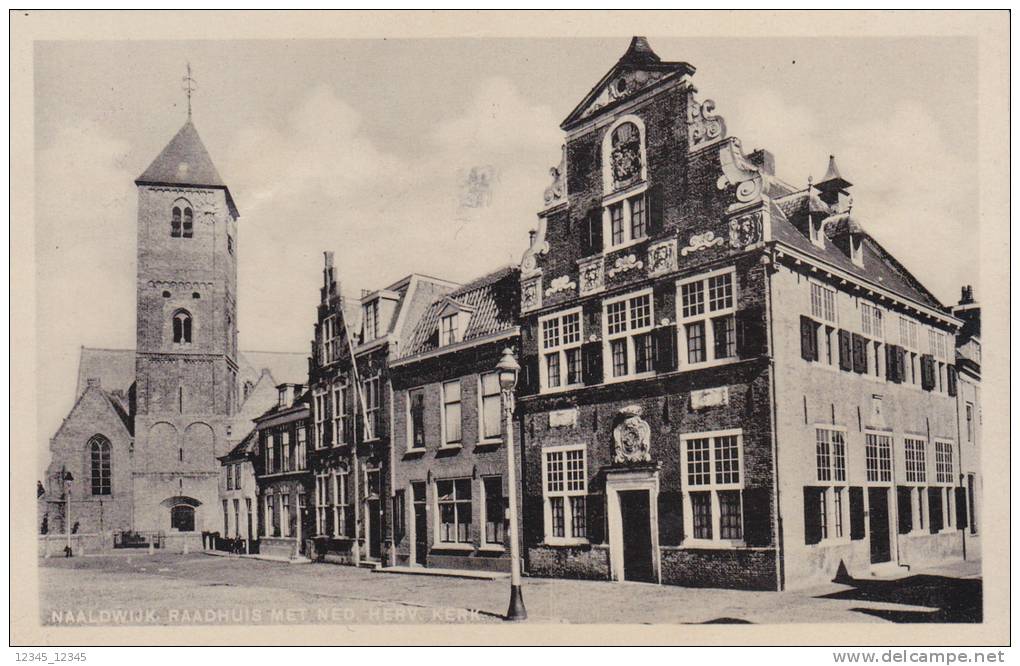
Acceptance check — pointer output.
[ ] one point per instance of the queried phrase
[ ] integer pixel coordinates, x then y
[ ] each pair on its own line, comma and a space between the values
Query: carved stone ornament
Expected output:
632, 437
746, 230
539, 246
557, 191
738, 171
624, 264
622, 86
701, 241
562, 283
531, 295
592, 276
662, 257
703, 127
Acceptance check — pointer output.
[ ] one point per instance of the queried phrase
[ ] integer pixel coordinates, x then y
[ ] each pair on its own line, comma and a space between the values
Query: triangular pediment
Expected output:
451, 306
639, 69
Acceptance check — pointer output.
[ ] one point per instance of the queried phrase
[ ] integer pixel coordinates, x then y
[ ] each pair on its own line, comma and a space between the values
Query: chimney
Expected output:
764, 160
531, 237
966, 295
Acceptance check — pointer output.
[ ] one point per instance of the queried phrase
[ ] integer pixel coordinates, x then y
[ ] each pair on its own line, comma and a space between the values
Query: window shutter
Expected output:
812, 515
901, 365
757, 516
655, 209
671, 518
856, 513
808, 339
665, 348
927, 372
934, 510
845, 351
860, 354
903, 508
751, 338
961, 507
591, 356
594, 232
890, 362
595, 507
951, 380
528, 384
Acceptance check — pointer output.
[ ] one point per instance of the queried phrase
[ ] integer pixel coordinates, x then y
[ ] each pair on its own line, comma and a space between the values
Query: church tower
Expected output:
186, 349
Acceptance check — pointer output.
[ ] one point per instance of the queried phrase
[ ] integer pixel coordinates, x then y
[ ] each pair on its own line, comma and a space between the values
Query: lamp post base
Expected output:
516, 612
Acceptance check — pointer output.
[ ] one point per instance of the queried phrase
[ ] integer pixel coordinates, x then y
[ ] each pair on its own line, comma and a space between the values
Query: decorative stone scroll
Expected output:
662, 257
631, 437
703, 127
531, 294
738, 171
562, 283
625, 263
557, 192
592, 276
701, 241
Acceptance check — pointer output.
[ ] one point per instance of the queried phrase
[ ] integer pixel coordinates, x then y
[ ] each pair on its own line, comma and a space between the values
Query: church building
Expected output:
139, 450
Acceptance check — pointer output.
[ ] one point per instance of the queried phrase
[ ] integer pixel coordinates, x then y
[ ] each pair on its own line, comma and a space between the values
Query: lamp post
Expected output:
67, 510
508, 369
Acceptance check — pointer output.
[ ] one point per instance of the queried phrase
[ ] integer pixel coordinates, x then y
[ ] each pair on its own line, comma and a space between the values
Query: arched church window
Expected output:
182, 518
175, 223
182, 327
626, 153
99, 454
188, 227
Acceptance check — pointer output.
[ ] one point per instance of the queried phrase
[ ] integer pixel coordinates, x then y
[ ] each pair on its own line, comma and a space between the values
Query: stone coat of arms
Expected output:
632, 437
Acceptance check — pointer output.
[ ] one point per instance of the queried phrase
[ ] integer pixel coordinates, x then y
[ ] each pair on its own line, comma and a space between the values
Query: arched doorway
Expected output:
182, 518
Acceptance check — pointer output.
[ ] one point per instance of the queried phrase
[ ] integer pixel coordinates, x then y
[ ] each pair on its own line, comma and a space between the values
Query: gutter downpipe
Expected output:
769, 265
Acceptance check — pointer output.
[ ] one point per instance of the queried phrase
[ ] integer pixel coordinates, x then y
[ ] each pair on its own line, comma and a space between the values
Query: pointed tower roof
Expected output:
185, 161
833, 180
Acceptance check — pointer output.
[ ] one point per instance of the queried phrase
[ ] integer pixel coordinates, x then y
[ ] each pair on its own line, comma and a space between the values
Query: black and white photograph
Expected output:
334, 324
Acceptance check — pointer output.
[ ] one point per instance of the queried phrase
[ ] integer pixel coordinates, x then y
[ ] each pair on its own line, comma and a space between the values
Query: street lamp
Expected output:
508, 369
67, 510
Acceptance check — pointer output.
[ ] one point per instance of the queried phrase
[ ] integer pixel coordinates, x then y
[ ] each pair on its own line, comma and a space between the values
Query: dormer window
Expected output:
283, 397
815, 232
857, 249
448, 333
371, 315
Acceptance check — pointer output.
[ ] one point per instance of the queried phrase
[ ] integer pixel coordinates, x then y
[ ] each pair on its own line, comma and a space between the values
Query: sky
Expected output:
364, 147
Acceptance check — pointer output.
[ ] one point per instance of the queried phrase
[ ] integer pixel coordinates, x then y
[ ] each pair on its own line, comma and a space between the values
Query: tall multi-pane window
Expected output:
638, 217
713, 475
285, 515
490, 406
286, 451
451, 413
301, 457
341, 510
448, 329
230, 477
329, 339
616, 226
370, 312
370, 387
916, 467
561, 350
830, 472
339, 396
878, 457
707, 316
565, 488
454, 499
319, 413
944, 476
629, 322
909, 341
270, 454
321, 503
872, 327
237, 476
495, 523
99, 455
969, 411
823, 303
416, 418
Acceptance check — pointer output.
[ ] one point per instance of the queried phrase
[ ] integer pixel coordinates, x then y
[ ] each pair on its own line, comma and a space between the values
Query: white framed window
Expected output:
340, 422
340, 507
909, 342
823, 303
565, 490
370, 386
872, 326
560, 339
629, 347
625, 221
938, 347
270, 454
490, 407
830, 471
448, 329
878, 457
301, 457
494, 511
944, 476
267, 514
916, 466
330, 339
285, 515
713, 475
451, 413
416, 419
453, 499
237, 476
285, 450
319, 414
370, 314
707, 306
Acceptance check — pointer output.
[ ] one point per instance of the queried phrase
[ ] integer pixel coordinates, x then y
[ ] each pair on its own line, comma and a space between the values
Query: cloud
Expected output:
913, 193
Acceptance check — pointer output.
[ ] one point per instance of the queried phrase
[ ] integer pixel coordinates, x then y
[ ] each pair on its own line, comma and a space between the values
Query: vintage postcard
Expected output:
469, 328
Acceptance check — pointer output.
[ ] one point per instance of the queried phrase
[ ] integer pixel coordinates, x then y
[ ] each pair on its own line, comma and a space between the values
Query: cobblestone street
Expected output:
166, 589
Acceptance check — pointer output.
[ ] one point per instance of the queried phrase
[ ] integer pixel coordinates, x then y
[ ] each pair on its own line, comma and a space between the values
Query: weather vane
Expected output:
189, 85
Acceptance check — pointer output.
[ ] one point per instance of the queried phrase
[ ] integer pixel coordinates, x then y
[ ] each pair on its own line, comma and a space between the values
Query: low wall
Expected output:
278, 546
731, 568
53, 545
581, 562
924, 550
